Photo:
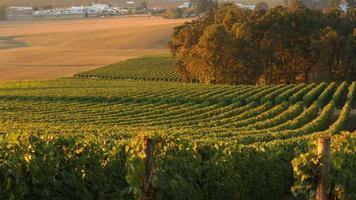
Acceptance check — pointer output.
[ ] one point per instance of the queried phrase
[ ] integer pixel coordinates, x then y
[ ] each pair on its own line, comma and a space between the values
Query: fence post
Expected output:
324, 170
147, 185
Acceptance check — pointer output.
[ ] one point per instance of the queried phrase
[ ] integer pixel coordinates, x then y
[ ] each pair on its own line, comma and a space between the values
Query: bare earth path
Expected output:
60, 48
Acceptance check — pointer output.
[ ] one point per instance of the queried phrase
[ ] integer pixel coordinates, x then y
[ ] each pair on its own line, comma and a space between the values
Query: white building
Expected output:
185, 5
98, 8
18, 10
76, 10
248, 6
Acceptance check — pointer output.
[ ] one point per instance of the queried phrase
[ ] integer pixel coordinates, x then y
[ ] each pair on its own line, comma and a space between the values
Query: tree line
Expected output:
293, 44
3, 12
197, 7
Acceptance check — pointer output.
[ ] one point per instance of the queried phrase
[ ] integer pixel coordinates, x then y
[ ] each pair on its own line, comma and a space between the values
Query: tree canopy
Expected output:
232, 45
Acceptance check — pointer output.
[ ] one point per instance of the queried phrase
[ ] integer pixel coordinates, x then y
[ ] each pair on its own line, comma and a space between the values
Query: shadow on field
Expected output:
351, 126
10, 42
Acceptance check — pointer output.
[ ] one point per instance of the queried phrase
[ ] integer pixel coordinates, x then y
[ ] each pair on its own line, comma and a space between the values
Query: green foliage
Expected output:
343, 161
66, 167
135, 166
304, 118
314, 93
276, 93
291, 113
86, 166
305, 168
80, 138
340, 94
341, 122
320, 123
145, 68
219, 172
351, 93
342, 177
326, 95
286, 94
267, 94
298, 96
263, 116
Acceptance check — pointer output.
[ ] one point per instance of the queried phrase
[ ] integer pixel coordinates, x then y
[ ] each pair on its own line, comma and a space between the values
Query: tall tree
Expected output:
261, 6
202, 6
335, 4
213, 59
184, 39
351, 4
295, 5
329, 47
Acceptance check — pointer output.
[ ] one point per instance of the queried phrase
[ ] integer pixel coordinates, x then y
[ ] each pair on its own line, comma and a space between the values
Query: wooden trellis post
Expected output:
147, 186
324, 170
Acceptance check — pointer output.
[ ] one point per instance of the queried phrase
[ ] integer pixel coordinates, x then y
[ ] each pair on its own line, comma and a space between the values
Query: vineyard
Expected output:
144, 68
211, 141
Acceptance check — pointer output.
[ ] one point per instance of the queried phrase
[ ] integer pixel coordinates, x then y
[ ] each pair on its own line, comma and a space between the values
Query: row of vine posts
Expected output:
147, 185
323, 151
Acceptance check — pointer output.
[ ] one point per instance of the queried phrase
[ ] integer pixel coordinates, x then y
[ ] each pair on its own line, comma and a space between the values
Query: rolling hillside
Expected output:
53, 49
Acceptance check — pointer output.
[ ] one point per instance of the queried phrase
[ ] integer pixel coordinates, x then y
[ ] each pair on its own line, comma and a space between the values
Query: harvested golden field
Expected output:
60, 48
